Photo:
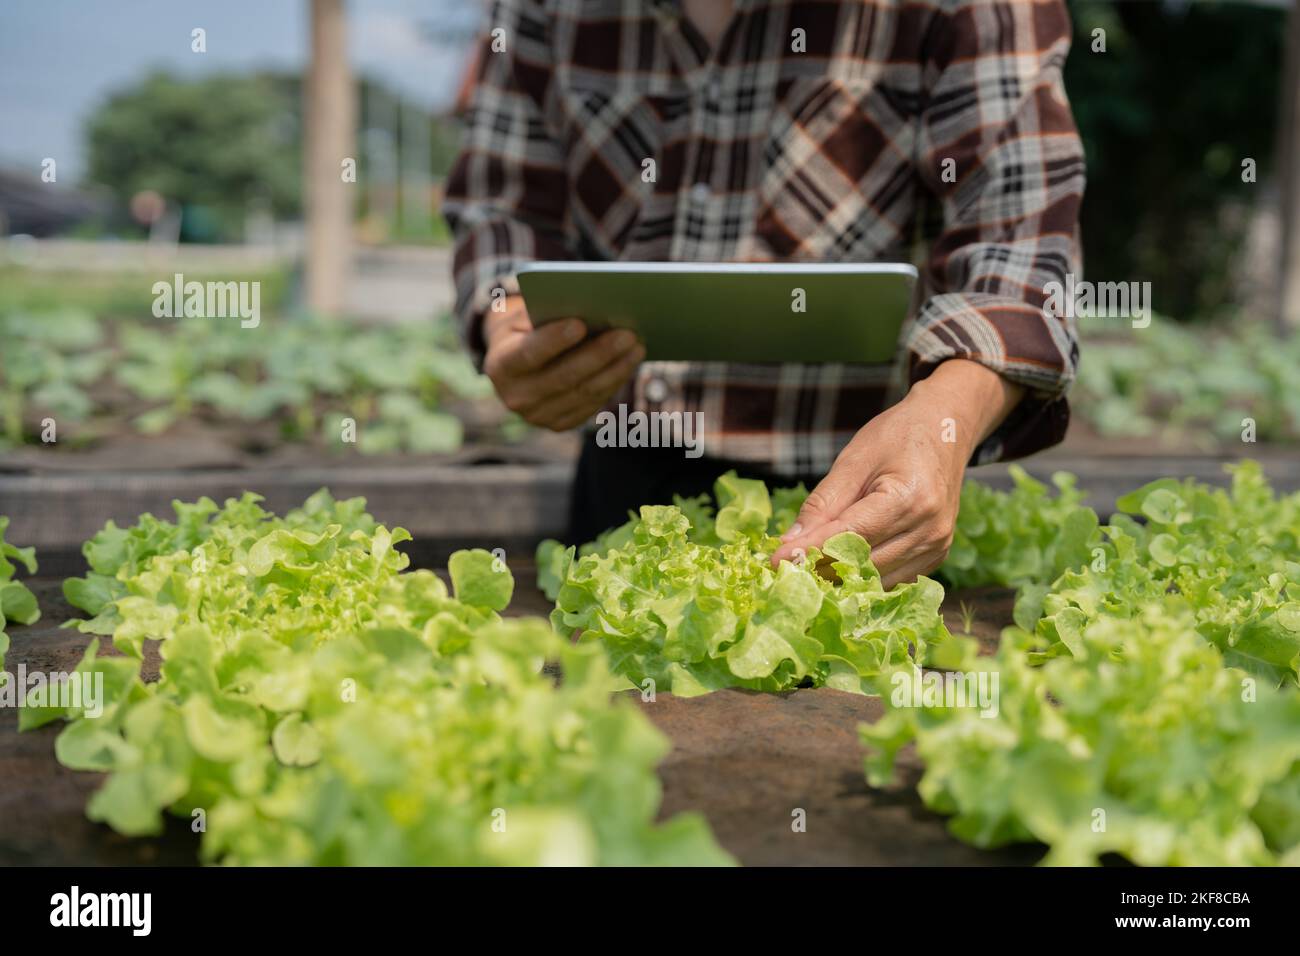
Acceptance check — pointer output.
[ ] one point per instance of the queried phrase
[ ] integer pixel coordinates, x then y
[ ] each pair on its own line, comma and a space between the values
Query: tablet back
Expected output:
732, 312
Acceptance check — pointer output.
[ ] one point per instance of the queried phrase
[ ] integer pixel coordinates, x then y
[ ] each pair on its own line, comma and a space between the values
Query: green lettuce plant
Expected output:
1143, 706
318, 703
1227, 560
47, 363
689, 600
1158, 382
1147, 700
1141, 743
397, 382
1025, 536
17, 602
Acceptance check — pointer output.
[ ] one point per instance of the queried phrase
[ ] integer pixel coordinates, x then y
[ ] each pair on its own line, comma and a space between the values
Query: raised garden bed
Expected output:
750, 763
495, 496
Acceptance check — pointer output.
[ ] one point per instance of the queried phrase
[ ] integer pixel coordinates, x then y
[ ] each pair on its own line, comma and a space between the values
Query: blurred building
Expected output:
31, 207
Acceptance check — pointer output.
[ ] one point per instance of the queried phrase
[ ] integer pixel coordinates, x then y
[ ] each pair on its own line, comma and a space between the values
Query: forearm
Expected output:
1011, 220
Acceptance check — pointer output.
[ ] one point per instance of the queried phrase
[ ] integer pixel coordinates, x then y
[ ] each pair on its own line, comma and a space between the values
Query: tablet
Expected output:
732, 312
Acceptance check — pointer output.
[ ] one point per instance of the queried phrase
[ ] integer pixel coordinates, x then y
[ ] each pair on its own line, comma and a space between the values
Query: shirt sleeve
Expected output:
1000, 151
505, 194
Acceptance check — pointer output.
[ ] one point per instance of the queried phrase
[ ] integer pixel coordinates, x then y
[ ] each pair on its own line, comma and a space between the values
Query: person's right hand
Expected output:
550, 376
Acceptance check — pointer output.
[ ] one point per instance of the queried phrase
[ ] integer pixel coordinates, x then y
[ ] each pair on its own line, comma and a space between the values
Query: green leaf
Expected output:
294, 551
743, 508
25, 556
93, 593
480, 579
18, 603
296, 744
1164, 550
553, 560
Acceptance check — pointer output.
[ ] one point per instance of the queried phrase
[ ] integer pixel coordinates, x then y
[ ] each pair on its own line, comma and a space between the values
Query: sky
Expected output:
60, 58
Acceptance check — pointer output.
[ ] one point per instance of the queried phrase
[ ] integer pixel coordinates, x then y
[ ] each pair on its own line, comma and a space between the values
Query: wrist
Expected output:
974, 397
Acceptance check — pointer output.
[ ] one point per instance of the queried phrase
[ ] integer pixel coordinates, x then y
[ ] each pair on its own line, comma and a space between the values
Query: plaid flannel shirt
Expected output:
815, 131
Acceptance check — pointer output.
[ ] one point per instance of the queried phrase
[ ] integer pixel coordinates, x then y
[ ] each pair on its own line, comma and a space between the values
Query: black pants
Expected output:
613, 481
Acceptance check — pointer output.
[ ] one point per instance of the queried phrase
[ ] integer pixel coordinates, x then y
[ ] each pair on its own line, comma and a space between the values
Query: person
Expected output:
783, 130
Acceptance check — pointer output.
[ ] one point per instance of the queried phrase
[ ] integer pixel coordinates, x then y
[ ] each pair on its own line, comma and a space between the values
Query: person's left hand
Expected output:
898, 482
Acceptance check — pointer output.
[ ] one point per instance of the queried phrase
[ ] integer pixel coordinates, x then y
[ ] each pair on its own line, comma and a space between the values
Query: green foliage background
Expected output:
1183, 93
215, 143
219, 143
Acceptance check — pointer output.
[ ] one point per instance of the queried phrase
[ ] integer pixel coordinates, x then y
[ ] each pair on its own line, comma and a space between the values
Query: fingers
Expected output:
841, 487
533, 350
877, 517
577, 370
573, 384
915, 551
904, 547
910, 571
570, 410
918, 548
910, 532
512, 319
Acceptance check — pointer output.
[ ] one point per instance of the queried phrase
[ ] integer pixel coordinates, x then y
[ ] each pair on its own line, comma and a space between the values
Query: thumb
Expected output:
841, 487
835, 493
872, 517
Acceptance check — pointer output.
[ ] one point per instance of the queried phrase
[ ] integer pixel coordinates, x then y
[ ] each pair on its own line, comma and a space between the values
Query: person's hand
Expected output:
898, 482
554, 377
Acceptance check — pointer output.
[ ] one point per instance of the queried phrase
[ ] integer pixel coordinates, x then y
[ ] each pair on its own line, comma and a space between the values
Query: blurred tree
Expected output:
1183, 93
215, 145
